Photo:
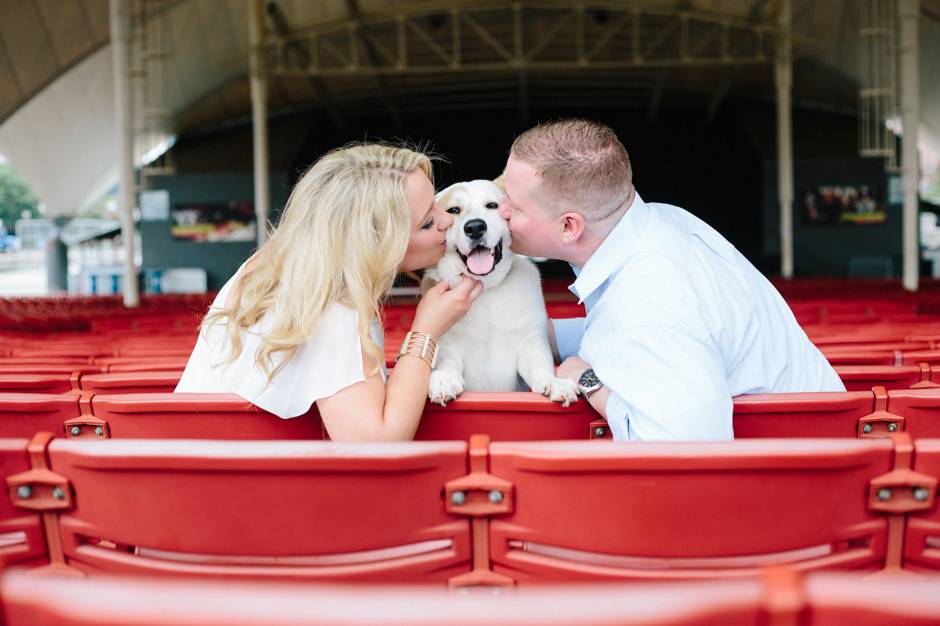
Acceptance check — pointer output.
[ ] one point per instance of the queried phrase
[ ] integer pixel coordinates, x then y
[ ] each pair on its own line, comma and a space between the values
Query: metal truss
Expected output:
878, 63
432, 37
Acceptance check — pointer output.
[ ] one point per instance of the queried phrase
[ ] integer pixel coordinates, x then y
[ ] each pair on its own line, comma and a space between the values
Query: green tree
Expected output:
15, 197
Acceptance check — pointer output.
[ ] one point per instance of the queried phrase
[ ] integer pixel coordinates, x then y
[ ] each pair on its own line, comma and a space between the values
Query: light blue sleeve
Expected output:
666, 383
568, 334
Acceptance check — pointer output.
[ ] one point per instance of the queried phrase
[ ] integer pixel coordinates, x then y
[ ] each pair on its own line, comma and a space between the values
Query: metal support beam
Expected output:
259, 116
480, 26
908, 15
124, 134
297, 55
727, 81
523, 74
783, 75
368, 42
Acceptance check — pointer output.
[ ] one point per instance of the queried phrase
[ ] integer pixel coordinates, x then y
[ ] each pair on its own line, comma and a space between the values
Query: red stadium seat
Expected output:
920, 409
130, 382
197, 416
506, 416
182, 350
864, 377
174, 364
49, 368
35, 383
25, 414
56, 352
28, 361
911, 357
823, 599
843, 600
502, 416
22, 539
879, 346
922, 540
610, 510
801, 414
127, 601
142, 363
861, 357
293, 510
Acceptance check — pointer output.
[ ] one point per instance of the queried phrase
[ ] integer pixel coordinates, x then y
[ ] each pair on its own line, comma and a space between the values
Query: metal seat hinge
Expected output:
879, 423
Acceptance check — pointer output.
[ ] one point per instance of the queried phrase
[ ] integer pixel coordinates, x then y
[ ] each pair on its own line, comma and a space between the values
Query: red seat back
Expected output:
142, 363
922, 538
801, 414
920, 356
35, 383
920, 409
505, 416
21, 534
263, 509
860, 357
864, 377
842, 600
198, 416
128, 601
596, 510
131, 382
25, 414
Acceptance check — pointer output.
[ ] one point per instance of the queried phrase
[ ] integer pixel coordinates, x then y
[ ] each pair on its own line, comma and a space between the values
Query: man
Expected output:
678, 321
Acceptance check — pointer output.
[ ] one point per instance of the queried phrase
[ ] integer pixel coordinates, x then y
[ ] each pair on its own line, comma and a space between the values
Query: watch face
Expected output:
589, 380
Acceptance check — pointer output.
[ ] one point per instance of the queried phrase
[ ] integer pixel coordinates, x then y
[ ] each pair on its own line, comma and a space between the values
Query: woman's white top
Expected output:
329, 361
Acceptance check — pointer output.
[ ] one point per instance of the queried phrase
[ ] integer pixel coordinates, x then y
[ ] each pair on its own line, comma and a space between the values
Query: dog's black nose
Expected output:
474, 228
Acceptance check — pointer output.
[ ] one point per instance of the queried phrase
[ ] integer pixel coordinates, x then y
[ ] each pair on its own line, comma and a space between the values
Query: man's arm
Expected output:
564, 335
669, 384
572, 368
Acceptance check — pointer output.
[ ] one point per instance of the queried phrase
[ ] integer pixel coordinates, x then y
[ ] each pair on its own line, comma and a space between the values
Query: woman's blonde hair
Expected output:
341, 238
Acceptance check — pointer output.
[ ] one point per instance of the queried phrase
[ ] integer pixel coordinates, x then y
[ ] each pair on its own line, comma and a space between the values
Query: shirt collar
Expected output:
609, 256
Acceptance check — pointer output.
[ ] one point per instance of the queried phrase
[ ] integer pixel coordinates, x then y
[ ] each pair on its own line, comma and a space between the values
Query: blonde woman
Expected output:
298, 322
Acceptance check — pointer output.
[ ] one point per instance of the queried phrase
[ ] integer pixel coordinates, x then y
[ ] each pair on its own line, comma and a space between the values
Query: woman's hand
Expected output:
441, 306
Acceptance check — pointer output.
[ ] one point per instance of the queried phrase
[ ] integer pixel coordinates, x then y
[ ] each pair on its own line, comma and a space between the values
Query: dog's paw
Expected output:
444, 386
558, 390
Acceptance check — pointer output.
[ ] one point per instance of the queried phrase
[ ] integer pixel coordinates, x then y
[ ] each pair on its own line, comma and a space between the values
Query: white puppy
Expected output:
504, 336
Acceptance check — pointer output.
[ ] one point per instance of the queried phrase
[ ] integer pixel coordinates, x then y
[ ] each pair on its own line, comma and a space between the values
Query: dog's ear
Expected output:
498, 181
442, 197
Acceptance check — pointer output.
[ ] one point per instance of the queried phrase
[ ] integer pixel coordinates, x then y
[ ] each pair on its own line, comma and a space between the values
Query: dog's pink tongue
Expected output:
480, 261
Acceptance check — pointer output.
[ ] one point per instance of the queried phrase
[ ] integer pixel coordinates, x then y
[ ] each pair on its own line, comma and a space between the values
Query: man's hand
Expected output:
572, 368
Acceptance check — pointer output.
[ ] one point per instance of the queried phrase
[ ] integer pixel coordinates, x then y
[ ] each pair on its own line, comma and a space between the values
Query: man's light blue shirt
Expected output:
679, 322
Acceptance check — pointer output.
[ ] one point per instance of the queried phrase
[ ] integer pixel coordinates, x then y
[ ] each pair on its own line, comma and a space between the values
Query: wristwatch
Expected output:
589, 383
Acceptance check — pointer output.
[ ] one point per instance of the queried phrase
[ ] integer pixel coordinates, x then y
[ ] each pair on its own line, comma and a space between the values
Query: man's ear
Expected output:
572, 227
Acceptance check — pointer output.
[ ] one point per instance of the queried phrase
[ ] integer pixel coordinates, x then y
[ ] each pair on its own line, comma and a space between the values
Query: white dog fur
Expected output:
504, 336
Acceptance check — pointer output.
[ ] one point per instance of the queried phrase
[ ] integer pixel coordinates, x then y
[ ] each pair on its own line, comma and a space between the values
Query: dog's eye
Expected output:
492, 205
455, 210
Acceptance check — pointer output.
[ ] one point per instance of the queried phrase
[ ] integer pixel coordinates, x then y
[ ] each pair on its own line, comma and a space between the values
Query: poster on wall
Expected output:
213, 222
843, 204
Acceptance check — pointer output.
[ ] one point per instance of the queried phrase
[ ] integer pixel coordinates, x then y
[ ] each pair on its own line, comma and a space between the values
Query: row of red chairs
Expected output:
504, 416
469, 514
161, 374
77, 381
155, 373
100, 313
776, 599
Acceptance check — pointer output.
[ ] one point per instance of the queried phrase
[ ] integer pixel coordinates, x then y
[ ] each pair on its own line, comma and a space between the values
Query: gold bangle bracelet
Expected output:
421, 345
